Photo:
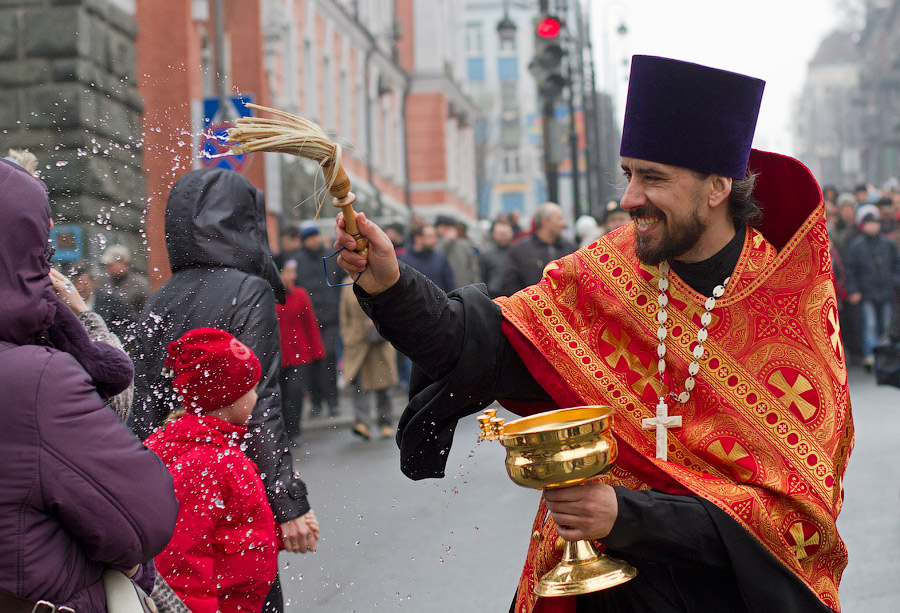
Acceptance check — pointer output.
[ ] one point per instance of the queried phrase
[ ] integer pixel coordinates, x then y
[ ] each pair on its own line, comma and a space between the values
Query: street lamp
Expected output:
506, 28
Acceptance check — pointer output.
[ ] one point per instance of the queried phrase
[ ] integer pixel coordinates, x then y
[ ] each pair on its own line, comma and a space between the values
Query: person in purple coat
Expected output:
79, 493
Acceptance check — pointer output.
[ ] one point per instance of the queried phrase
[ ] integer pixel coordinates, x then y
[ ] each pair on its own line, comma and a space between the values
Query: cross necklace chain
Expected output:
663, 421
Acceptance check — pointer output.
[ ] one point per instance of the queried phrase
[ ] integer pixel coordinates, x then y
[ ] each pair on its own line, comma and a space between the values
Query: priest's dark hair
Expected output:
743, 206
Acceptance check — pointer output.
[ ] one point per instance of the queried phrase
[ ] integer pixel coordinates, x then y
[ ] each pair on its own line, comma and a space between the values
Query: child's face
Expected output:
871, 227
243, 408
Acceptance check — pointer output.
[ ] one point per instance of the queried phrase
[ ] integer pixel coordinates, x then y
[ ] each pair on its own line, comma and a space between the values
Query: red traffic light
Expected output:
548, 27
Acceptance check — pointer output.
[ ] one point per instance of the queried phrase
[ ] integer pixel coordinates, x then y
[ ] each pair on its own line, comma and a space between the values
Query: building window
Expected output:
510, 131
508, 68
511, 162
474, 41
344, 127
475, 68
309, 66
328, 94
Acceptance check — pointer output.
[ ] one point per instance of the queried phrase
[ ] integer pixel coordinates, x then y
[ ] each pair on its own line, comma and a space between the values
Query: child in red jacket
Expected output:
223, 555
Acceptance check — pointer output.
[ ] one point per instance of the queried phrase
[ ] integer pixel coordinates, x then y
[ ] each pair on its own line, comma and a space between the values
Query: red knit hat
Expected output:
212, 369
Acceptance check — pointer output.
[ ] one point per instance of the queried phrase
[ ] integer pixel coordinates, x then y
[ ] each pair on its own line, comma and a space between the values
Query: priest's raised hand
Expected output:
375, 274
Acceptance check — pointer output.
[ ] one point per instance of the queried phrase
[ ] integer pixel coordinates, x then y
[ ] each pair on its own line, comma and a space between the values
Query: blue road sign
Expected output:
213, 152
68, 242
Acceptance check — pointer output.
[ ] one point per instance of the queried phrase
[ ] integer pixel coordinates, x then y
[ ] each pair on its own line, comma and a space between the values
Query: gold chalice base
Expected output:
557, 449
583, 570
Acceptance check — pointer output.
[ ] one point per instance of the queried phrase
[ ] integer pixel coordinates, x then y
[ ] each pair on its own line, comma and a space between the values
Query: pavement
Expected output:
457, 543
870, 519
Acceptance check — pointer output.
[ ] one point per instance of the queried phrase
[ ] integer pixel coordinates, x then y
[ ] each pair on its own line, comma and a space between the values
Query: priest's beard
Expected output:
678, 237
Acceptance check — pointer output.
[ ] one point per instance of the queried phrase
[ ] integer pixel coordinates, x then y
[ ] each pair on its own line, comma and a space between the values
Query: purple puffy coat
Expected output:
78, 491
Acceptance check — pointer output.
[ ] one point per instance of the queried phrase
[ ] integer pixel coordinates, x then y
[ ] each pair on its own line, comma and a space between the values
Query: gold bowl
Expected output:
558, 449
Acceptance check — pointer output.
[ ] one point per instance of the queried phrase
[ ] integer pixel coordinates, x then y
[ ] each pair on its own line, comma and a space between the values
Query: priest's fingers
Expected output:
571, 533
380, 270
590, 509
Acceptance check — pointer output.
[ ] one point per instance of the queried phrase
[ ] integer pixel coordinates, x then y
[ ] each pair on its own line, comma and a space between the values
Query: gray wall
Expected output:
68, 93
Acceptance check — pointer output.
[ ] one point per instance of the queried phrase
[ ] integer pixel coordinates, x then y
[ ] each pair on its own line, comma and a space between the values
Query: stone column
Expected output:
68, 93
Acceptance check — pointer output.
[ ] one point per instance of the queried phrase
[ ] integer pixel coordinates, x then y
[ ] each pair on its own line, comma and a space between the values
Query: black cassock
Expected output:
690, 555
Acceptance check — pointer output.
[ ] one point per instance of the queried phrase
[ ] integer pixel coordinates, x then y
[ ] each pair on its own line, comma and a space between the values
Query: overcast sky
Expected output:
770, 39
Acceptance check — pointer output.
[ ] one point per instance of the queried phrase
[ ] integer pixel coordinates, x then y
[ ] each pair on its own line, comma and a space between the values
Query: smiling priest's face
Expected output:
667, 204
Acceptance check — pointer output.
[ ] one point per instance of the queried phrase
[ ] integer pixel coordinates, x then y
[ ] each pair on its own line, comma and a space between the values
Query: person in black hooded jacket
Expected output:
223, 276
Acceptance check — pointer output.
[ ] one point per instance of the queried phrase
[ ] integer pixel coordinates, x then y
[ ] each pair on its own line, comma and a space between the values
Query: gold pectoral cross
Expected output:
662, 422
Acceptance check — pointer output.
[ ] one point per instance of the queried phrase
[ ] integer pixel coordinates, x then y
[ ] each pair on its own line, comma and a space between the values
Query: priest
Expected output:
709, 323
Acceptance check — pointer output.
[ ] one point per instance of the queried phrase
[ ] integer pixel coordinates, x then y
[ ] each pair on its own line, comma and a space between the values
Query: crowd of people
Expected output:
863, 231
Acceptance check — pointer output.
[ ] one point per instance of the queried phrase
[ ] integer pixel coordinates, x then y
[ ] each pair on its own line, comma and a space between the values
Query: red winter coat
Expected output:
223, 555
301, 342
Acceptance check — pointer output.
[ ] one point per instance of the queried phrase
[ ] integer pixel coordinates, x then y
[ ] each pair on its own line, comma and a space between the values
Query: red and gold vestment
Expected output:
767, 431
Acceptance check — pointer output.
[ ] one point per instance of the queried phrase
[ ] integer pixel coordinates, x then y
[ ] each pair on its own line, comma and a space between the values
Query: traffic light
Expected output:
548, 56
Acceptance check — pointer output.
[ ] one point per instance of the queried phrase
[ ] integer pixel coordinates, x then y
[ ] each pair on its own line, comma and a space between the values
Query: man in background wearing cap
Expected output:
133, 287
106, 303
872, 266
311, 276
616, 216
460, 252
714, 336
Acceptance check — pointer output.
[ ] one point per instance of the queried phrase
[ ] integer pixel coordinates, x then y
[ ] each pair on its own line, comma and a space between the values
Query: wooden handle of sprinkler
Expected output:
344, 199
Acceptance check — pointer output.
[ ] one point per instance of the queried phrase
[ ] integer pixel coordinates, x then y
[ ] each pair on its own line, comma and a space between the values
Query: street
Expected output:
870, 520
389, 543
458, 543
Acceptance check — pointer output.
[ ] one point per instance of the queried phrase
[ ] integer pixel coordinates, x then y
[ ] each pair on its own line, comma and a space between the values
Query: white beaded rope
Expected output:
662, 317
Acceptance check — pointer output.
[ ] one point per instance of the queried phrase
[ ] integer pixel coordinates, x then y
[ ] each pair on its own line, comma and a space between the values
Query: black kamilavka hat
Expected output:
689, 115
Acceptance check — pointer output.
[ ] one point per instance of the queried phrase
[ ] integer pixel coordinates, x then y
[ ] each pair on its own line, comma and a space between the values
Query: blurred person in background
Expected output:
114, 311
289, 243
398, 237
460, 251
132, 287
845, 227
616, 216
369, 368
493, 260
311, 276
587, 230
888, 215
528, 256
424, 257
872, 268
301, 344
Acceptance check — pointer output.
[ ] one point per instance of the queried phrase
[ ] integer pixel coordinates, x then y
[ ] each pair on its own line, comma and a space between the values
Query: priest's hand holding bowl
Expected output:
586, 511
381, 270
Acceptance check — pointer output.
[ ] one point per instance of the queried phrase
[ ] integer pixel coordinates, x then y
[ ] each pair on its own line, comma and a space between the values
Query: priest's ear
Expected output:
719, 190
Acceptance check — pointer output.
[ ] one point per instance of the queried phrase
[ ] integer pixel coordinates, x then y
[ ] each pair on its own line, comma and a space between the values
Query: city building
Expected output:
827, 127
381, 76
525, 150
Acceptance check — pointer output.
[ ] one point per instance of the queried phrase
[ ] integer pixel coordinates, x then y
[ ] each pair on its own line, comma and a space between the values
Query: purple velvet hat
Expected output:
690, 115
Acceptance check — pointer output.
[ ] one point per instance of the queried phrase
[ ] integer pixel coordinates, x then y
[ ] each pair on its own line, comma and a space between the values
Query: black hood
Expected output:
216, 217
